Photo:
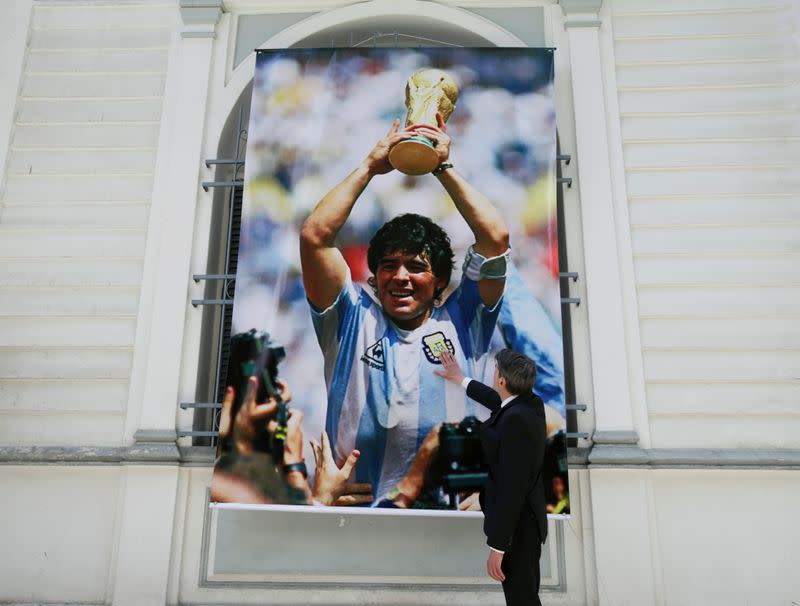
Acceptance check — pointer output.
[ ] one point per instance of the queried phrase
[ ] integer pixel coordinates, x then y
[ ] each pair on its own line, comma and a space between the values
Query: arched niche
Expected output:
382, 23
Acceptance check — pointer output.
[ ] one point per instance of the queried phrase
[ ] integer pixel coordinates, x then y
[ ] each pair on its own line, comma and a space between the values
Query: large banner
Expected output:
355, 278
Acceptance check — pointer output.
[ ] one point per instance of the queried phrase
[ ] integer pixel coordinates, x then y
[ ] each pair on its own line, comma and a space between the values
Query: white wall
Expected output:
73, 216
711, 139
58, 526
705, 104
697, 537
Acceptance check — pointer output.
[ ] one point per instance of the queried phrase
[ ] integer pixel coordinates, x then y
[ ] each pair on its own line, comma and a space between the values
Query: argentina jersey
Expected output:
383, 397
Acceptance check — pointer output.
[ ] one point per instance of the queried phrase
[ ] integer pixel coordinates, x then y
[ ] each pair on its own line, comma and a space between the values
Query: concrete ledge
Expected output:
615, 437
153, 446
601, 455
148, 453
152, 452
197, 456
578, 457
614, 454
25, 455
155, 435
626, 456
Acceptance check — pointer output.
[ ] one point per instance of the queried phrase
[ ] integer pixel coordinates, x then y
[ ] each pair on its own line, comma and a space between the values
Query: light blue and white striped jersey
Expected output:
383, 397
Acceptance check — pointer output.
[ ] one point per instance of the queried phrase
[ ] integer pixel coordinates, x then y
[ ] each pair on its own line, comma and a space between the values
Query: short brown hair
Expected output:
518, 370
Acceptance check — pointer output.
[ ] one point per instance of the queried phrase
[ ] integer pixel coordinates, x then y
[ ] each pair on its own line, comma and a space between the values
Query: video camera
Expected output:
252, 353
461, 457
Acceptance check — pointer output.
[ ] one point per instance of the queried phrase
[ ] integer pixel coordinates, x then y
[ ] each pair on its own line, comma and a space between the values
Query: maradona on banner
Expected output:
398, 204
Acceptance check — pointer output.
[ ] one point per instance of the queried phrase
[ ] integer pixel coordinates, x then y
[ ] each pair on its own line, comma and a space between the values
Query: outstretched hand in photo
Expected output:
332, 484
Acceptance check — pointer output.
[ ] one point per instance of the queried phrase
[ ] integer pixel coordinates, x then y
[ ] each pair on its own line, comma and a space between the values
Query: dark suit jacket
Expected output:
513, 441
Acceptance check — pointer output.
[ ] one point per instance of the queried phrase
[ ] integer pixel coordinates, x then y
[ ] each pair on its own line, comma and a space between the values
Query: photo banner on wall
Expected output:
358, 269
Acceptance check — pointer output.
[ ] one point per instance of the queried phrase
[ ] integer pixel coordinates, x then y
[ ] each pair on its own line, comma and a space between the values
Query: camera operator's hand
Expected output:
331, 486
451, 371
251, 418
414, 481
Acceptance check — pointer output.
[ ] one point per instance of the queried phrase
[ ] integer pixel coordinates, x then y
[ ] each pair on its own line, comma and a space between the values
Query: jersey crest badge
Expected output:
433, 345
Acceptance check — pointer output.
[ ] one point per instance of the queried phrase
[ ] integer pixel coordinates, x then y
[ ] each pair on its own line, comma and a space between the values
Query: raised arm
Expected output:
487, 224
324, 267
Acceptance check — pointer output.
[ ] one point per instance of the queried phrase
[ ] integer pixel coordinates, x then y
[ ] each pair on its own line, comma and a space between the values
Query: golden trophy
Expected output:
428, 91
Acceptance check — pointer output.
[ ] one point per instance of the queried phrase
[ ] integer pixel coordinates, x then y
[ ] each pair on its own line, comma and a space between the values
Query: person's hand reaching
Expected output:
331, 484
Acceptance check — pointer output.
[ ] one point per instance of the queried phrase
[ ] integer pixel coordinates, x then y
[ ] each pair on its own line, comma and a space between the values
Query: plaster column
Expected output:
153, 396
140, 570
625, 547
604, 295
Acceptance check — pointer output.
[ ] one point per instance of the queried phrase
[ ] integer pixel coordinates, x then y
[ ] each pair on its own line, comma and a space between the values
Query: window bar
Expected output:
228, 278
210, 163
234, 183
228, 293
198, 277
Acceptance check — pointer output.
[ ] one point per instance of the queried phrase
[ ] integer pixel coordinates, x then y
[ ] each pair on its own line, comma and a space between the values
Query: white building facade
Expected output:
682, 221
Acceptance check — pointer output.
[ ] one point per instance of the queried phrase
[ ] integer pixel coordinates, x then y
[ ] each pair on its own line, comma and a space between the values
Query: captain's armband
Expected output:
477, 267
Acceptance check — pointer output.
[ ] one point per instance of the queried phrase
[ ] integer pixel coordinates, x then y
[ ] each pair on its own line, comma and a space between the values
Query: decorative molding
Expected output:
615, 437
580, 6
583, 22
581, 13
200, 18
259, 7
434, 12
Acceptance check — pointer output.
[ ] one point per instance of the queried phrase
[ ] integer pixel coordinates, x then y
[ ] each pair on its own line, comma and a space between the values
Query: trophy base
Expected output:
415, 156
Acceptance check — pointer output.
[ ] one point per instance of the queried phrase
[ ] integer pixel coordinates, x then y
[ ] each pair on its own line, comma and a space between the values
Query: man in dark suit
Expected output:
513, 441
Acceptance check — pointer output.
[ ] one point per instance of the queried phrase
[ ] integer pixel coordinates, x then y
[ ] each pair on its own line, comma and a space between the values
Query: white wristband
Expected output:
477, 267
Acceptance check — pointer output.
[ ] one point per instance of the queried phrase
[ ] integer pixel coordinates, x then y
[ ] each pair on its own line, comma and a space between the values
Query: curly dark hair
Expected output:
413, 234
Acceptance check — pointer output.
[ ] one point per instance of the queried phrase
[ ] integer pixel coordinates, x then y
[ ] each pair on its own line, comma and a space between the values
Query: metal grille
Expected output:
219, 295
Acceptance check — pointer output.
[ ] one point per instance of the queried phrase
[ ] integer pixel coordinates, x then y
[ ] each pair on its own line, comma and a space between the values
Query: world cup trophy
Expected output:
428, 91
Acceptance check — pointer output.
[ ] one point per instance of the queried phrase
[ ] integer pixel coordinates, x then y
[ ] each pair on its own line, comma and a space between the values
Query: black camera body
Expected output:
252, 353
461, 457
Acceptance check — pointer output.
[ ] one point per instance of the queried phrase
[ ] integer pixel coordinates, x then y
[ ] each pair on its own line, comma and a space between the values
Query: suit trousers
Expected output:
521, 565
